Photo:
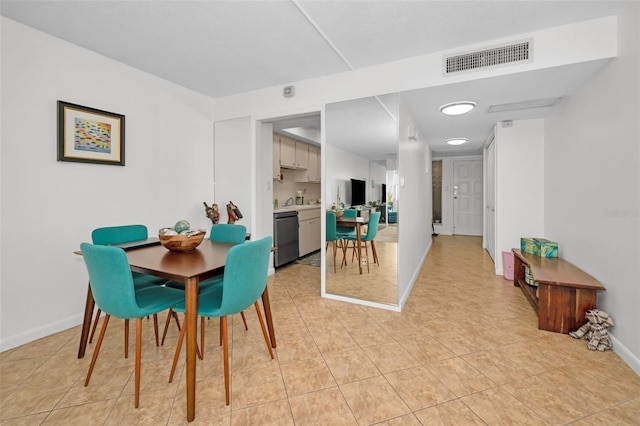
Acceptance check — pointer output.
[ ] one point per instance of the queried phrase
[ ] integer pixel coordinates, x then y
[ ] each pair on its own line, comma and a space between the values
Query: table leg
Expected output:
358, 237
86, 323
191, 322
267, 314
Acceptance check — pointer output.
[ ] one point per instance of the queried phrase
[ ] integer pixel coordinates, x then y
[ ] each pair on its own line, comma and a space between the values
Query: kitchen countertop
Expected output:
297, 208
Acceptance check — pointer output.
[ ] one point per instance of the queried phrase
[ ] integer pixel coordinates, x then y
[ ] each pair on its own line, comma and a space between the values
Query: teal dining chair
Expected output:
369, 237
117, 235
345, 231
244, 281
225, 233
331, 235
114, 291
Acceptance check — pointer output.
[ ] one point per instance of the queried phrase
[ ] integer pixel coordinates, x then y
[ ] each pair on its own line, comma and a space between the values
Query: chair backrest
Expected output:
245, 275
372, 226
350, 213
119, 234
228, 233
348, 229
110, 279
331, 227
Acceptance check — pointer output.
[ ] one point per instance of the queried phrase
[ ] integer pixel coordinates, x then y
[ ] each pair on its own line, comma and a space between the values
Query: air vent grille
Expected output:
516, 52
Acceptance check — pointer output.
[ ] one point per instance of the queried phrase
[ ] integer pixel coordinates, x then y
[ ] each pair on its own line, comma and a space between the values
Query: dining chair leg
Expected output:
170, 315
177, 353
375, 253
95, 324
366, 253
126, 338
225, 350
138, 357
335, 248
244, 320
201, 355
264, 328
155, 328
96, 350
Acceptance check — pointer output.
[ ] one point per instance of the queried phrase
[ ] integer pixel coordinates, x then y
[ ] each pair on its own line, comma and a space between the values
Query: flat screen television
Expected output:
358, 196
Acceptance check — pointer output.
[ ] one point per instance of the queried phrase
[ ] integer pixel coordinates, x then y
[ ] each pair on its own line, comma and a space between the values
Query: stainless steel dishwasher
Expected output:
285, 234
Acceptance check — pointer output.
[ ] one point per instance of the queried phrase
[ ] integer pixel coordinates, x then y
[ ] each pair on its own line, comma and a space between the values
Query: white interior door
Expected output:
490, 199
467, 197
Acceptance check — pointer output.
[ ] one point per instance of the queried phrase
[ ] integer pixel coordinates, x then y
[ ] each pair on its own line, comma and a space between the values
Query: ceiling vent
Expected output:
519, 52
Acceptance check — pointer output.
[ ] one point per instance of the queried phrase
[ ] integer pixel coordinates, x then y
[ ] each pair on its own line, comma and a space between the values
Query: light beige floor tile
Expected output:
350, 366
324, 407
452, 413
496, 366
34, 419
460, 377
307, 375
406, 420
373, 400
624, 414
390, 357
497, 407
81, 415
418, 388
252, 387
277, 413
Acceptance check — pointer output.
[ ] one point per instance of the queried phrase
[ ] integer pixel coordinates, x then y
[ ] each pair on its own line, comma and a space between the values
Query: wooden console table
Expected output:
564, 292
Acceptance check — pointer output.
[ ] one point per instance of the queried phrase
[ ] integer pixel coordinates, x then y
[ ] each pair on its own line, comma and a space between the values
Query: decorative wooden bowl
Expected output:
338, 213
182, 243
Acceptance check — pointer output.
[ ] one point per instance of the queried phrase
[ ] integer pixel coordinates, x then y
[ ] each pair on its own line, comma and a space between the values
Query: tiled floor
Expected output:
465, 350
378, 284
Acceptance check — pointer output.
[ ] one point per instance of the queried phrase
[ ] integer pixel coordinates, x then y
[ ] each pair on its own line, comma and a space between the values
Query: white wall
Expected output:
414, 204
342, 167
519, 185
377, 175
592, 184
50, 207
233, 143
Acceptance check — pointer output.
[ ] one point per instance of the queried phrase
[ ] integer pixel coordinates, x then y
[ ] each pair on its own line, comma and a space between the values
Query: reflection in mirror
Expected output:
361, 153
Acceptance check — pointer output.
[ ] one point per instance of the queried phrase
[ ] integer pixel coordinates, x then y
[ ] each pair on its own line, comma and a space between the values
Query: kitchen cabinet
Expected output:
309, 231
293, 154
276, 158
312, 173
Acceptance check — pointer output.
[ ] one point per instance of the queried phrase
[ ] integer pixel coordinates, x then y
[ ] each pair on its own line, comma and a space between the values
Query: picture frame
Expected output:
89, 135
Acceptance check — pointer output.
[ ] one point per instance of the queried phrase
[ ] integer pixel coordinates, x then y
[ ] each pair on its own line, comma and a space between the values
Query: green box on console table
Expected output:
539, 247
529, 245
547, 248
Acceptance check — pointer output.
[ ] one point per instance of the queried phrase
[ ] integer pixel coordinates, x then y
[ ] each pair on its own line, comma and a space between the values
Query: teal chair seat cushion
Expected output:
155, 299
202, 286
209, 302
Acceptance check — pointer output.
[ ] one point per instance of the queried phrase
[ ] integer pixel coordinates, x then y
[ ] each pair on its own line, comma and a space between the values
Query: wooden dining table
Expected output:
354, 222
205, 262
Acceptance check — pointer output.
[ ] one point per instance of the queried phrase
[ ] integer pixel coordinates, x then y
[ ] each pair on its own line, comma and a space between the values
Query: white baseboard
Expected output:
405, 296
627, 356
40, 332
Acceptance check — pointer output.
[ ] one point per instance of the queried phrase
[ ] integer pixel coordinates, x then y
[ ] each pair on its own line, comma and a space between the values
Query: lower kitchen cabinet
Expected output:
309, 231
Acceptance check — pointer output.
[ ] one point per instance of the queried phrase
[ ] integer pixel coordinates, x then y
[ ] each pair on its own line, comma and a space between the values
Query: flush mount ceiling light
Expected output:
457, 141
457, 108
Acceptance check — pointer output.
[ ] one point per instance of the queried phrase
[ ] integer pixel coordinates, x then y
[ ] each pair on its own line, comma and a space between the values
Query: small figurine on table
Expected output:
233, 212
212, 213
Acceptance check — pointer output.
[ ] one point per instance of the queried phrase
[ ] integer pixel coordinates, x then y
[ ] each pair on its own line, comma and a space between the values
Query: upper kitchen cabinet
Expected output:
312, 174
293, 154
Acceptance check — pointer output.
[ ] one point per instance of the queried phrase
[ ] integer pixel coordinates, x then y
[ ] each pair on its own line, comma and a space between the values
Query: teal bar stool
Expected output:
244, 281
118, 235
114, 291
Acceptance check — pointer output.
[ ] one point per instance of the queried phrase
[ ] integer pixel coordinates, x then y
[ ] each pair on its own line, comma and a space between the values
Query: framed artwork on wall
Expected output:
89, 135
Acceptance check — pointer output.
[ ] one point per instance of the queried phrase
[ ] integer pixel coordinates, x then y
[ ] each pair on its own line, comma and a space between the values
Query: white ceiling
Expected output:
220, 48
